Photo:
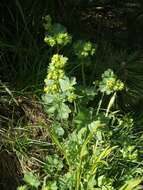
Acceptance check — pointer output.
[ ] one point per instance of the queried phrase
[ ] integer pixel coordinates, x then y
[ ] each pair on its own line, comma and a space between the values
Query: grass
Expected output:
23, 59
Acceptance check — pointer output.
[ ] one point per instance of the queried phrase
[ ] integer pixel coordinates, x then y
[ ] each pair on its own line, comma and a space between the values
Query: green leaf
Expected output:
24, 187
84, 151
50, 186
83, 117
81, 134
91, 183
95, 125
66, 84
31, 179
48, 98
52, 109
58, 129
130, 185
58, 28
64, 111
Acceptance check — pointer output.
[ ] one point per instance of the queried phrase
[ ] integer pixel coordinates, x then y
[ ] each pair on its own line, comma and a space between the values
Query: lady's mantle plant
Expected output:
59, 89
97, 150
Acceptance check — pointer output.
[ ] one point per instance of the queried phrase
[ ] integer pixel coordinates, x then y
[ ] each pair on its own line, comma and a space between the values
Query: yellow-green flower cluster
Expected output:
52, 88
114, 85
119, 86
84, 49
55, 72
63, 38
71, 97
49, 40
57, 82
110, 83
58, 39
58, 61
56, 34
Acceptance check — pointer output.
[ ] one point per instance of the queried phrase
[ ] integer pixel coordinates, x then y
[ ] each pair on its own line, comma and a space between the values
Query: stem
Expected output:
55, 140
78, 177
99, 105
79, 169
111, 102
83, 74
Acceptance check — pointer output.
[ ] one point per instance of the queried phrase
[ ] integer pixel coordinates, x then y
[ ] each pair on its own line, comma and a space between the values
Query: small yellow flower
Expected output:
54, 88
50, 41
46, 89
59, 61
61, 73
49, 76
72, 97
111, 83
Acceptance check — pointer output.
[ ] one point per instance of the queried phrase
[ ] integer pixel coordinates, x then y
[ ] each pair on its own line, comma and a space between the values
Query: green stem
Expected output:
83, 74
55, 140
99, 105
111, 102
78, 176
79, 169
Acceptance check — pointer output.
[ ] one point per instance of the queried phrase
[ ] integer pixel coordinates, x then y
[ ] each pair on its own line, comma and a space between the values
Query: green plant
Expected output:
92, 146
81, 140
58, 87
88, 149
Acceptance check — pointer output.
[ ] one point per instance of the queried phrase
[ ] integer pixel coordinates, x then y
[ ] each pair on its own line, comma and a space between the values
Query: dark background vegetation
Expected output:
116, 23
116, 26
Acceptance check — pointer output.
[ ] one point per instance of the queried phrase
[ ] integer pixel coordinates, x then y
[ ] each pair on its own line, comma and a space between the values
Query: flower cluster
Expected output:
49, 40
56, 33
110, 83
56, 80
58, 61
72, 96
55, 72
59, 39
63, 38
84, 49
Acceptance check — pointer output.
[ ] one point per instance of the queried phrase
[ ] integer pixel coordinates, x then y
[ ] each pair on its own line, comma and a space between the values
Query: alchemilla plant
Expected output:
93, 146
59, 88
